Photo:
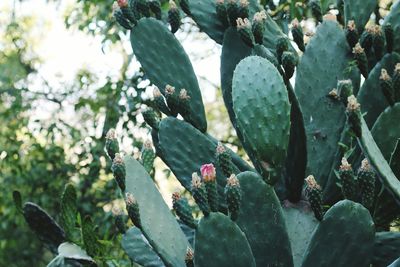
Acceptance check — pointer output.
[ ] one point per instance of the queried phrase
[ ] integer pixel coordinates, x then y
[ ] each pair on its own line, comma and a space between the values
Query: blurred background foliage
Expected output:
40, 154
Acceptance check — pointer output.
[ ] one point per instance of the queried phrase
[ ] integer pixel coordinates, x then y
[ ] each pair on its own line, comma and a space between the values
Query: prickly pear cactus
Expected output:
340, 133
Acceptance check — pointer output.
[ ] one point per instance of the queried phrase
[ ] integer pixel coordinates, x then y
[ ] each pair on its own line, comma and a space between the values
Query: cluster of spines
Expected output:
314, 195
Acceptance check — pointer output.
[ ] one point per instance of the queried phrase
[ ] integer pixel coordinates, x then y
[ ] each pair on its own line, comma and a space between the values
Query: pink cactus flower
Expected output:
208, 172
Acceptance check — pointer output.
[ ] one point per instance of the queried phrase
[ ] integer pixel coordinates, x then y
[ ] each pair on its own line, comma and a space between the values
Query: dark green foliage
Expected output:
89, 237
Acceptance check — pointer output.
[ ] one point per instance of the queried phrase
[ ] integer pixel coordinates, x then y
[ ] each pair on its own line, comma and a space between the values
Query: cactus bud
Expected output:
351, 33
289, 62
119, 220
361, 58
258, 26
148, 156
281, 46
209, 177
172, 99
189, 257
143, 7
243, 11
183, 210
199, 194
298, 36
159, 101
354, 115
133, 210
112, 146
396, 82
224, 160
184, 4
387, 87
314, 195
366, 39
345, 89
378, 42
127, 11
349, 184
184, 105
174, 17
315, 6
233, 12
388, 30
366, 181
244, 29
151, 118
233, 196
155, 7
222, 14
120, 18
119, 172
334, 94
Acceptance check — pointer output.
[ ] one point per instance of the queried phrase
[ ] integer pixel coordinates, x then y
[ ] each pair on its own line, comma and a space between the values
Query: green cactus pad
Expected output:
355, 225
185, 149
386, 132
326, 57
386, 248
375, 157
205, 15
69, 211
267, 237
165, 62
359, 11
272, 33
371, 98
396, 263
233, 51
158, 224
265, 123
300, 224
219, 242
44, 226
138, 250
394, 19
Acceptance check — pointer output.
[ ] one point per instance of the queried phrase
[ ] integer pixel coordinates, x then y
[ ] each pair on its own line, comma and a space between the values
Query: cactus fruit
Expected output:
151, 118
222, 13
244, 28
281, 46
119, 172
289, 62
366, 181
174, 17
232, 9
298, 36
349, 182
172, 99
189, 257
388, 30
243, 9
155, 7
314, 195
126, 11
258, 26
120, 18
184, 108
354, 115
119, 220
143, 7
200, 194
112, 146
233, 196
148, 156
367, 39
378, 42
160, 102
183, 210
351, 33
208, 173
344, 90
133, 209
315, 6
386, 85
224, 160
361, 58
396, 82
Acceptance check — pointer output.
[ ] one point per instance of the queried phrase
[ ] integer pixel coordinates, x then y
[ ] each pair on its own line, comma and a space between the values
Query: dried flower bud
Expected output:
130, 199
196, 180
357, 49
312, 183
169, 90
345, 166
232, 181
384, 75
